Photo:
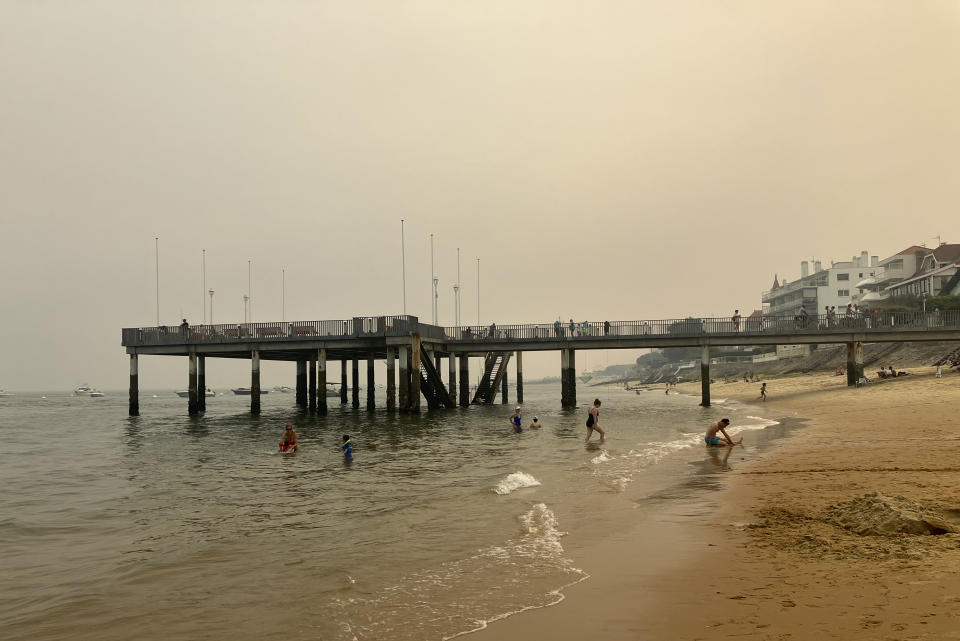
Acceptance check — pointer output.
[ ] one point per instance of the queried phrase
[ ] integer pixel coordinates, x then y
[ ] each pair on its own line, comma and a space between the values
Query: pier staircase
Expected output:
432, 387
494, 368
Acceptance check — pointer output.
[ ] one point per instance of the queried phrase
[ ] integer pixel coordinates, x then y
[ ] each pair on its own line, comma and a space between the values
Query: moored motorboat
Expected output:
95, 393
186, 393
246, 391
6, 394
83, 390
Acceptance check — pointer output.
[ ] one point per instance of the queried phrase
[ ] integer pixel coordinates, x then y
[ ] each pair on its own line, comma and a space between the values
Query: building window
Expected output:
843, 293
844, 276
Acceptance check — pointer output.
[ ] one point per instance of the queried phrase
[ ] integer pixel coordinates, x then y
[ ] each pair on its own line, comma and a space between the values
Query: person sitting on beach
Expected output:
515, 421
713, 440
893, 372
288, 442
536, 422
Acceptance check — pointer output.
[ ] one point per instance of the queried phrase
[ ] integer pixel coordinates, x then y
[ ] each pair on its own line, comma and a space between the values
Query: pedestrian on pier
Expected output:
493, 330
557, 328
184, 327
606, 328
736, 320
573, 328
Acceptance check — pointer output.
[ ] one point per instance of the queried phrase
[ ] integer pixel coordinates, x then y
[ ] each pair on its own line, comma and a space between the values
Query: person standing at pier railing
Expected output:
736, 320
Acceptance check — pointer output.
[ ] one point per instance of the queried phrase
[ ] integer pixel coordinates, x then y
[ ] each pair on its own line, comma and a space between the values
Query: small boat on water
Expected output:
83, 390
246, 391
6, 394
95, 393
333, 391
283, 388
186, 393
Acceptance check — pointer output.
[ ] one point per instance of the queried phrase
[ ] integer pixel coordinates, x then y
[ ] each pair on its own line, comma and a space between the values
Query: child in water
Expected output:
536, 422
515, 421
347, 448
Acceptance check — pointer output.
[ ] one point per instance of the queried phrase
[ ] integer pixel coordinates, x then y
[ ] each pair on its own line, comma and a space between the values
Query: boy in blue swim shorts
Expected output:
711, 438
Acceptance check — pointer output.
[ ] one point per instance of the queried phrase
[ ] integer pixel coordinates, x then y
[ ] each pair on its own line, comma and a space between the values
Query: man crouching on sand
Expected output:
713, 440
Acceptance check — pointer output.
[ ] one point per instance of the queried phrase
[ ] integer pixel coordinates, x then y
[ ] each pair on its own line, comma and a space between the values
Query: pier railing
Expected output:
397, 326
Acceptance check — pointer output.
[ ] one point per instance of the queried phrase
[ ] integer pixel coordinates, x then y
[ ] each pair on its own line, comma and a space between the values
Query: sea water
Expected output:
174, 527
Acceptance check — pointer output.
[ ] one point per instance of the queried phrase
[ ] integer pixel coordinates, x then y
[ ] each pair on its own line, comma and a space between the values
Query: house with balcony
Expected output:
937, 274
871, 289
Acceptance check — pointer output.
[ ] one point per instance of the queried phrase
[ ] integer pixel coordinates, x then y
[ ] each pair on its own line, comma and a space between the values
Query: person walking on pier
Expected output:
593, 422
736, 320
557, 329
573, 328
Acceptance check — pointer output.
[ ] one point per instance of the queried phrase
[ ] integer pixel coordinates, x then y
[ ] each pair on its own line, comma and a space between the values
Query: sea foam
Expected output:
515, 481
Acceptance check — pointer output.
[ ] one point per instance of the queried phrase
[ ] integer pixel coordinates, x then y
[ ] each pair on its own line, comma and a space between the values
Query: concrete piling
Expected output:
355, 380
312, 385
322, 380
854, 363
705, 375
415, 355
193, 408
255, 382
302, 384
404, 378
504, 387
568, 378
343, 382
134, 386
371, 385
520, 378
391, 378
452, 376
202, 383
464, 380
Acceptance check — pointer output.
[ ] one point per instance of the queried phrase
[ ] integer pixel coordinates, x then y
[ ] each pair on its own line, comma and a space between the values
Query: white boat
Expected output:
246, 391
332, 390
185, 393
83, 390
283, 388
6, 394
95, 393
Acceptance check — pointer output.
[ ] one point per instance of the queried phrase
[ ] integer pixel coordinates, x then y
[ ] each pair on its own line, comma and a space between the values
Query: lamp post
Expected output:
403, 262
283, 295
246, 300
204, 290
249, 296
478, 292
211, 306
156, 254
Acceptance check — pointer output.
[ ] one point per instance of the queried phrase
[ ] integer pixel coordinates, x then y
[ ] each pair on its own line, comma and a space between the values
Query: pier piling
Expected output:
705, 375
404, 378
854, 363
355, 379
391, 378
134, 386
202, 383
343, 382
464, 380
519, 378
504, 386
371, 385
302, 384
568, 378
452, 376
415, 355
193, 408
322, 380
312, 385
255, 382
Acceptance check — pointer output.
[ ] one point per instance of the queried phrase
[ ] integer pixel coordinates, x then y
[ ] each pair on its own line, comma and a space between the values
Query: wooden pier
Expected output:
417, 350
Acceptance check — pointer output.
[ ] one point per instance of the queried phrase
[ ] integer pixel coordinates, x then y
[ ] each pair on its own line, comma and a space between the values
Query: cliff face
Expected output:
826, 358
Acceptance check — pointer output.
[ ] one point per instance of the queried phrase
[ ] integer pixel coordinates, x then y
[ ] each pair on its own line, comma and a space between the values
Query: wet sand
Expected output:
763, 560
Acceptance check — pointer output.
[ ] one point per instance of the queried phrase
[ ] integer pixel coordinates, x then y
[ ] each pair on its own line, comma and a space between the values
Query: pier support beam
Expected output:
343, 382
193, 408
355, 379
464, 380
452, 376
255, 382
568, 378
391, 378
415, 355
705, 375
854, 363
134, 386
202, 383
504, 387
302, 384
322, 380
404, 378
519, 378
371, 385
312, 385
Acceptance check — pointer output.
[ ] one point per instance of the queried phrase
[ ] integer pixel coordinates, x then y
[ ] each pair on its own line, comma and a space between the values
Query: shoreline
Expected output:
760, 560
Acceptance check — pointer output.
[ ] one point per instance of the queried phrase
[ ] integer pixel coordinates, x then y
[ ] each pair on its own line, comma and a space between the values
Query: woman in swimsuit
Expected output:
593, 421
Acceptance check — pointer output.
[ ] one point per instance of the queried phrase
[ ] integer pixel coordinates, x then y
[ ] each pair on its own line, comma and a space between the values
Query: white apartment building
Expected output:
832, 287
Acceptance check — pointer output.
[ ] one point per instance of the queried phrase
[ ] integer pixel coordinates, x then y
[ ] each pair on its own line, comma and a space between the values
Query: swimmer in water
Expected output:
288, 442
593, 422
347, 448
713, 440
536, 422
515, 421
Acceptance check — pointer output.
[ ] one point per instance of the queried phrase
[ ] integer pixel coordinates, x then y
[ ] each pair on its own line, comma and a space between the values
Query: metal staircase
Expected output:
494, 367
431, 385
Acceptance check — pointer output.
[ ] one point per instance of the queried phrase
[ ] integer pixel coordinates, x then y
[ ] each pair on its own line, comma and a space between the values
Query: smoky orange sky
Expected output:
603, 160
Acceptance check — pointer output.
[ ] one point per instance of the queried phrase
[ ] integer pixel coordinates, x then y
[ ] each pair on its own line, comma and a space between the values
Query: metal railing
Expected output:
397, 326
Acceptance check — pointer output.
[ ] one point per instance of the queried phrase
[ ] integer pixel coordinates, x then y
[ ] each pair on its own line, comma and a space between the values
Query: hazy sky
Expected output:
604, 160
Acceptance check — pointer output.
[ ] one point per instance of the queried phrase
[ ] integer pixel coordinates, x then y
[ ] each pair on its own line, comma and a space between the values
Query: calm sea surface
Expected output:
170, 527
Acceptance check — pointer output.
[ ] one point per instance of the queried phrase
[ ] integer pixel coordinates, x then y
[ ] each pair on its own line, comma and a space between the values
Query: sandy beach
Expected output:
789, 545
